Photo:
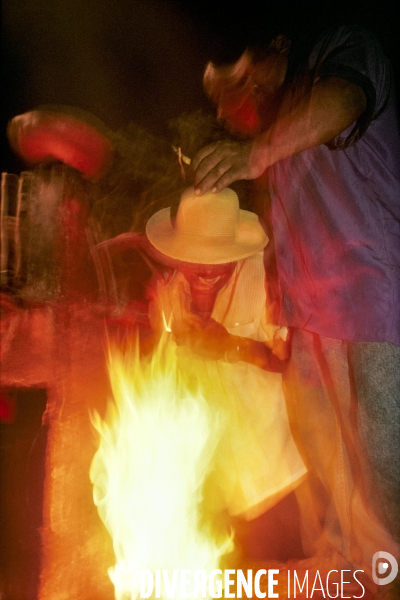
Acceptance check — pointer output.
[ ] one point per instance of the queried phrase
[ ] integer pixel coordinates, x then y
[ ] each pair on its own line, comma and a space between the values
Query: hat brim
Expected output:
201, 249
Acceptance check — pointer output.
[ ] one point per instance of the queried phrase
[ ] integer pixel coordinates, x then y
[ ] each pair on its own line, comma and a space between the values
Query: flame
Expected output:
156, 450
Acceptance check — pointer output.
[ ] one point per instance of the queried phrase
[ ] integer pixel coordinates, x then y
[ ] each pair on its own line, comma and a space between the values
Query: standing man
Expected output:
319, 132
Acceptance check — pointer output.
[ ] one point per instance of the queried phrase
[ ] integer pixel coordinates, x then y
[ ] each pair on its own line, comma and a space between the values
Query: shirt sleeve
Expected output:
268, 332
353, 53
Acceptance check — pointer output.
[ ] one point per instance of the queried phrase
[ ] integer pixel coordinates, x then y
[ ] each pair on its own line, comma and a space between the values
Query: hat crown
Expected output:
208, 229
210, 215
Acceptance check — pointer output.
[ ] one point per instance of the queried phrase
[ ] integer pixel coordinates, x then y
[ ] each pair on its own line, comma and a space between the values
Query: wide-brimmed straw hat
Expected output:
208, 229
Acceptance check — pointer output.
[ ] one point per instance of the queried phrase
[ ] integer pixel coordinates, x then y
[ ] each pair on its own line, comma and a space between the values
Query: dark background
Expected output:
125, 61
142, 60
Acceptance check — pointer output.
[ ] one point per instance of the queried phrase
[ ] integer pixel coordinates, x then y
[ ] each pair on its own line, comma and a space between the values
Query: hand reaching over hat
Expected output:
64, 134
218, 165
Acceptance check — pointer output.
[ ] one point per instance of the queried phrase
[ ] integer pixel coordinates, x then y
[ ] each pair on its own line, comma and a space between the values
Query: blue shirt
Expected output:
335, 208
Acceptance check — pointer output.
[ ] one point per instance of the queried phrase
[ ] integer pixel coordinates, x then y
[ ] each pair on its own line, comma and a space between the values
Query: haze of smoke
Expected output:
146, 175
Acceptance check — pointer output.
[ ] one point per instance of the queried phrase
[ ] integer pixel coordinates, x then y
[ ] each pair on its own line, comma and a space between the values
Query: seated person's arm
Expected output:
269, 358
212, 341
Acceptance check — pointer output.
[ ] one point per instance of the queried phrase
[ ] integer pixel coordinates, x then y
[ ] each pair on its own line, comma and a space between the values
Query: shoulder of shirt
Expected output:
342, 32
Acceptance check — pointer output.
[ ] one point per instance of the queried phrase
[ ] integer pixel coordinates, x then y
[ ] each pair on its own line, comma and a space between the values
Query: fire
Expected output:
157, 444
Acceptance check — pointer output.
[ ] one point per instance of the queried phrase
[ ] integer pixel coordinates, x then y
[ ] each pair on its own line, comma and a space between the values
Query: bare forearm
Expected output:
304, 121
253, 352
212, 341
333, 105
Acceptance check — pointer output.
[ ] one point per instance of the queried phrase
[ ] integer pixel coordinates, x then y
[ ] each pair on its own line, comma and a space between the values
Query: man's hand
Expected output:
209, 339
218, 165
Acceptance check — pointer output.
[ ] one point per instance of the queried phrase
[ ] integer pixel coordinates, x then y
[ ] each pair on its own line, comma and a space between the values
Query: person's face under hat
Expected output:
206, 279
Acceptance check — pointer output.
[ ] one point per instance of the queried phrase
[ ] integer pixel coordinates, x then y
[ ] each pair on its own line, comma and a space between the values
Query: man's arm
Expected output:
212, 341
333, 105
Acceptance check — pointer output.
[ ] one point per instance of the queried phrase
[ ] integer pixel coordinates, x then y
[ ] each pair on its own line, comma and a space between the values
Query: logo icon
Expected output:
382, 563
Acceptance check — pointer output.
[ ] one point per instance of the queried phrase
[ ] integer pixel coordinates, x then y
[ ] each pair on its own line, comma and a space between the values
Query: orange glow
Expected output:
157, 444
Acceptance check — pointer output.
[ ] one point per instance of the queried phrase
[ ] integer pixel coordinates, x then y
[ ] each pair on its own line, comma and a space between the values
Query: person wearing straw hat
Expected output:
207, 244
214, 301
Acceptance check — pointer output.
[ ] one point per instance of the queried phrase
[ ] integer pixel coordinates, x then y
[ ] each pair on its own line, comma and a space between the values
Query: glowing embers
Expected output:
157, 444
